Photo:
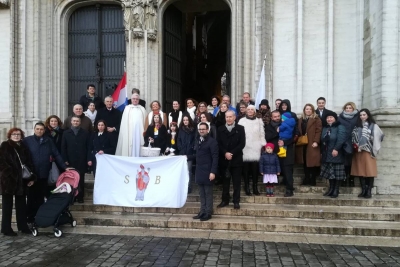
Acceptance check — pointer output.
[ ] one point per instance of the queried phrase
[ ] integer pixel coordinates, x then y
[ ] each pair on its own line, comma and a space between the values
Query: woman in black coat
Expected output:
156, 134
100, 143
332, 139
348, 118
186, 144
11, 182
53, 129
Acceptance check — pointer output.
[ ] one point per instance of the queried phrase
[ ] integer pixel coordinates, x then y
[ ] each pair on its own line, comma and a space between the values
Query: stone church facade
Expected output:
344, 50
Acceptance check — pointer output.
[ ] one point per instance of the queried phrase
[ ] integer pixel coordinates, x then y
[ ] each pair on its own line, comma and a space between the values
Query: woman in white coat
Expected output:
255, 140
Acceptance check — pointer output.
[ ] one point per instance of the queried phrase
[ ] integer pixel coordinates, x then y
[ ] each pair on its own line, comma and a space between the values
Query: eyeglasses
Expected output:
202, 129
16, 134
202, 106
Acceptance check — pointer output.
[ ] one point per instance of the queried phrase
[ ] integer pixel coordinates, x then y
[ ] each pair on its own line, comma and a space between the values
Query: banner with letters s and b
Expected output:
141, 181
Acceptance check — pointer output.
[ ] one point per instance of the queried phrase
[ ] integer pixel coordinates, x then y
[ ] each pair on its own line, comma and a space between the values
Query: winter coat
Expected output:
75, 149
206, 160
11, 181
112, 118
335, 140
86, 123
255, 138
272, 136
219, 119
269, 164
286, 129
55, 135
349, 124
265, 115
42, 153
313, 154
232, 142
294, 116
160, 141
86, 99
186, 141
102, 142
323, 117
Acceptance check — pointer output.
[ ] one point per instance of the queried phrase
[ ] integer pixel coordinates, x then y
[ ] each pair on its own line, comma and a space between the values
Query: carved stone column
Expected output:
141, 20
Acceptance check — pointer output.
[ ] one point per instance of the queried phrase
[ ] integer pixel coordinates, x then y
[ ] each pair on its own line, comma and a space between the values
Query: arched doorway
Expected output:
96, 50
196, 50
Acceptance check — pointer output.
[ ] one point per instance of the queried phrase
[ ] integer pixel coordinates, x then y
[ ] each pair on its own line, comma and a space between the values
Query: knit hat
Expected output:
330, 113
270, 145
286, 115
263, 102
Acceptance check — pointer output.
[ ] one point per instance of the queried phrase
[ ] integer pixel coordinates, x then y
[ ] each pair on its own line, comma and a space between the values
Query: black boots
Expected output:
255, 187
363, 187
335, 192
351, 181
329, 192
370, 184
246, 184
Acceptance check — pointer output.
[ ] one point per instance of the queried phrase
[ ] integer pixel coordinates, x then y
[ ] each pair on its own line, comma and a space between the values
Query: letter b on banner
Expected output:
158, 180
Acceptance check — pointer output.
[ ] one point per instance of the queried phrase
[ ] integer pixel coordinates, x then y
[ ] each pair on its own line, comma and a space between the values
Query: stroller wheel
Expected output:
34, 232
57, 233
73, 224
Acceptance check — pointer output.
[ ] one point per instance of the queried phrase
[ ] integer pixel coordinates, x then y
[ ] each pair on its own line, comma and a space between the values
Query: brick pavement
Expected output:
104, 250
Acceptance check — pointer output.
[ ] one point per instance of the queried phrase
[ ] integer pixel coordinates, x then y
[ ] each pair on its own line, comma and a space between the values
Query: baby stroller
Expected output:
55, 211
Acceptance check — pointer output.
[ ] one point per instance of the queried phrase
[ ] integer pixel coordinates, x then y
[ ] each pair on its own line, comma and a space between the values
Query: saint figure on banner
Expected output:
130, 137
142, 180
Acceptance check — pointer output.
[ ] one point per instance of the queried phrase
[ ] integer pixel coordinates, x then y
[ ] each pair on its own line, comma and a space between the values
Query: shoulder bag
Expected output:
26, 172
302, 140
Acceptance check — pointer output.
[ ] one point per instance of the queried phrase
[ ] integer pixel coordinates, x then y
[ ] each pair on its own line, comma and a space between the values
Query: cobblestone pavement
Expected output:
104, 250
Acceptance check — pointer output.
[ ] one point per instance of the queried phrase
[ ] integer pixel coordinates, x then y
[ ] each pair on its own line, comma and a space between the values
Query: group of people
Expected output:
223, 142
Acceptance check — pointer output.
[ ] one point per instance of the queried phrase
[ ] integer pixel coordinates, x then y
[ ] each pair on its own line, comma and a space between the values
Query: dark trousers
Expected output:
236, 179
206, 199
94, 165
20, 209
311, 173
81, 193
36, 194
251, 168
287, 172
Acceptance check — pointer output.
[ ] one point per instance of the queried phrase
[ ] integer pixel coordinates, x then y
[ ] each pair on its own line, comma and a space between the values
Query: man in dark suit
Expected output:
141, 101
112, 117
91, 96
231, 141
272, 136
75, 150
321, 110
207, 165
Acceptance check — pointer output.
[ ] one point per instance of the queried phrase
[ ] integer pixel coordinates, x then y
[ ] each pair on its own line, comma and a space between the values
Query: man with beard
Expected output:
112, 117
75, 150
246, 100
231, 141
272, 136
264, 112
85, 122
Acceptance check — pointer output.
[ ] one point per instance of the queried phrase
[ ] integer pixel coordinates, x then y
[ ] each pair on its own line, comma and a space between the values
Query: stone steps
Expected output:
261, 210
242, 223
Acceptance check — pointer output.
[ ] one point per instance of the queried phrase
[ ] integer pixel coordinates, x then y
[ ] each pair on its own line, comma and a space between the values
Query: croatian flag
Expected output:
120, 95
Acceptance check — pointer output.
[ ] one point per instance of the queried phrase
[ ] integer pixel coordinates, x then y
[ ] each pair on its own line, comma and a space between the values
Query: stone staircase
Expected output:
305, 217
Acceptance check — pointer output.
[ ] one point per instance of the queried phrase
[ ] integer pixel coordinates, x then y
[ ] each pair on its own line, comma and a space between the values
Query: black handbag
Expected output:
26, 172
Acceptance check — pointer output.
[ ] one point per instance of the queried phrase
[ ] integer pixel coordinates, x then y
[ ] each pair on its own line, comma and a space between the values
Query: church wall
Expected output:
5, 72
284, 49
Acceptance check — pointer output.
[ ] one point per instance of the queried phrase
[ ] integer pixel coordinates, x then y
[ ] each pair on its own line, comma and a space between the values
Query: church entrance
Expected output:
96, 50
196, 51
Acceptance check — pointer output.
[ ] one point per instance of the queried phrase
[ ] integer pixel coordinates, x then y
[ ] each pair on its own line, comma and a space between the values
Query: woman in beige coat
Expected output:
310, 155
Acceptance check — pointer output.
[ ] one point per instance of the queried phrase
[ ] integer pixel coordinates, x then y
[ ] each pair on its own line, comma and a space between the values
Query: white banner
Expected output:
141, 182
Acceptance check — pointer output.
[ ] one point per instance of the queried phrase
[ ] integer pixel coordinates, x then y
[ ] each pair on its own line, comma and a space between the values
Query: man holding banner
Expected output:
206, 168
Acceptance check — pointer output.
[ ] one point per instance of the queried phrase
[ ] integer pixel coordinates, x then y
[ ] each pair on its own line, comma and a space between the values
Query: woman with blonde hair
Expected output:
309, 155
348, 118
156, 110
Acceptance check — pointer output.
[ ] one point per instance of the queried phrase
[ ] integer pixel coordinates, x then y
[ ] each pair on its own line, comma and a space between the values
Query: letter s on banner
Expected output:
126, 179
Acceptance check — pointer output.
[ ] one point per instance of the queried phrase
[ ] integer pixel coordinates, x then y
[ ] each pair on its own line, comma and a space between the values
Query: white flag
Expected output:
141, 181
261, 87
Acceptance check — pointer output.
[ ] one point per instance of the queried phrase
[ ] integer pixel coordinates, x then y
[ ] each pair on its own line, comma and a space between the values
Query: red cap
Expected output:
270, 145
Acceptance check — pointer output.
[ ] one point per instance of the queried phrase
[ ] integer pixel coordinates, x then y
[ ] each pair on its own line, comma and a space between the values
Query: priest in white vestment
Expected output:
130, 137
